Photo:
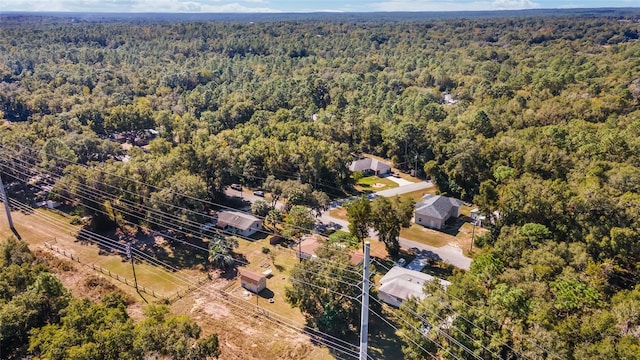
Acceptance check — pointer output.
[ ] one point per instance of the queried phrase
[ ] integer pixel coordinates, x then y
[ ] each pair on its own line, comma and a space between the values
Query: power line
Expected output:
435, 342
186, 280
149, 209
167, 236
133, 215
148, 198
132, 204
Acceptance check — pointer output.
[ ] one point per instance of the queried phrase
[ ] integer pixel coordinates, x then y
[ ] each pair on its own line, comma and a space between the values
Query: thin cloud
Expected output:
137, 6
423, 5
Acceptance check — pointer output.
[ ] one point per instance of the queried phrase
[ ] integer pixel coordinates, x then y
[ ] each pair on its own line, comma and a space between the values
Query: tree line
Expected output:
539, 127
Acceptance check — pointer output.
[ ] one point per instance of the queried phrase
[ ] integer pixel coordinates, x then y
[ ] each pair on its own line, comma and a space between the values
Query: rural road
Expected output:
449, 254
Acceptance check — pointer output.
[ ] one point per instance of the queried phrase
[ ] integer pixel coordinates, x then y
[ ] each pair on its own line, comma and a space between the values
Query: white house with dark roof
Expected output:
369, 166
399, 284
434, 210
239, 222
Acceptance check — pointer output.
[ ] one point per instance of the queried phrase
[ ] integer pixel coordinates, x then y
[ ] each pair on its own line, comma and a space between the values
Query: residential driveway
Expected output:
421, 260
449, 254
403, 189
399, 181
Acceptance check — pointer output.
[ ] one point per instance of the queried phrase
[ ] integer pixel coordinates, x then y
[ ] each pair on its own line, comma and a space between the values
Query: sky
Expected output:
275, 6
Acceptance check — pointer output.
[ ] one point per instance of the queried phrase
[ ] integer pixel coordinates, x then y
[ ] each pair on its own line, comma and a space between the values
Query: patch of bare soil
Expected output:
244, 334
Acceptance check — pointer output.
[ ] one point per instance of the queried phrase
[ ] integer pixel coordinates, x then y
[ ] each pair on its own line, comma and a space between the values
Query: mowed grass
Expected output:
44, 226
418, 194
339, 213
374, 183
423, 235
280, 260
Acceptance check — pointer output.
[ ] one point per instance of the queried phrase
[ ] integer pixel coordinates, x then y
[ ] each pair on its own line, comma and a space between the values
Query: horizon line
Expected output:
325, 11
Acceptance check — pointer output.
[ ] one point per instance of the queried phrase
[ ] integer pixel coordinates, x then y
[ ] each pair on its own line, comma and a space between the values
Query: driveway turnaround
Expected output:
406, 188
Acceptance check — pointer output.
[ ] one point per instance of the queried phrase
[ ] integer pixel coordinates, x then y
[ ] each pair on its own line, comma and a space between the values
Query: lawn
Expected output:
280, 260
44, 226
418, 194
339, 213
374, 183
426, 236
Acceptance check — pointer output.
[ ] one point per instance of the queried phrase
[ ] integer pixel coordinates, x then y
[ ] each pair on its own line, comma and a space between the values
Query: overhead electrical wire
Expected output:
156, 210
188, 281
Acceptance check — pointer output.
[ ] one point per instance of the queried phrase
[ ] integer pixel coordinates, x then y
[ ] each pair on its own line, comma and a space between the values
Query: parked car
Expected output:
236, 187
258, 193
395, 174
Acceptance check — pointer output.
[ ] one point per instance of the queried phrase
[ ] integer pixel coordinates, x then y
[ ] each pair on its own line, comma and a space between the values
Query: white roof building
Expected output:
239, 222
366, 165
400, 283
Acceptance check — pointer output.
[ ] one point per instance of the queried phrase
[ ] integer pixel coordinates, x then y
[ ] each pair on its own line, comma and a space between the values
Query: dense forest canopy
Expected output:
536, 119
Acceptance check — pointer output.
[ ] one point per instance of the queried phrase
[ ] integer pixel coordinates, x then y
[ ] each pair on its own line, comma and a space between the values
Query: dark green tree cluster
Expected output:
386, 216
39, 317
533, 118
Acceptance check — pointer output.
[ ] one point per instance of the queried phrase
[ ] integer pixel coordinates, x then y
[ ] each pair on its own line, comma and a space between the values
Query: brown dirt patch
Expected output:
243, 335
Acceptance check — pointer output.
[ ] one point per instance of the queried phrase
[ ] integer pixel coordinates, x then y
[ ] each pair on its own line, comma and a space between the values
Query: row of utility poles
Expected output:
364, 321
5, 200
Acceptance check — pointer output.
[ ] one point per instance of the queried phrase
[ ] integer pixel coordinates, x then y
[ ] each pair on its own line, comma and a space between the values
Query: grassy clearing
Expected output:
43, 226
339, 213
242, 335
374, 183
464, 235
280, 260
426, 236
418, 194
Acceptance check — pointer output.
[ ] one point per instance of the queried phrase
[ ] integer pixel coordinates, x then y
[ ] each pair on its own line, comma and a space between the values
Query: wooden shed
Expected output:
252, 281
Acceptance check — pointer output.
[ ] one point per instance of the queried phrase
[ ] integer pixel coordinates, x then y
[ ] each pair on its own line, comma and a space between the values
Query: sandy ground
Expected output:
243, 334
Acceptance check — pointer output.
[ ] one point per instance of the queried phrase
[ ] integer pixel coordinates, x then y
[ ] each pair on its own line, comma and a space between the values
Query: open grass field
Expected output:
426, 236
374, 183
280, 260
243, 334
43, 226
418, 194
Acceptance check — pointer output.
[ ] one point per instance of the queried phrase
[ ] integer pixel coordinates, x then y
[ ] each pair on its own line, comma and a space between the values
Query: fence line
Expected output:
257, 310
107, 272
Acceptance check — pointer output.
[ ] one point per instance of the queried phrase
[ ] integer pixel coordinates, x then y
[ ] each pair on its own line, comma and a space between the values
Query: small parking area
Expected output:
398, 180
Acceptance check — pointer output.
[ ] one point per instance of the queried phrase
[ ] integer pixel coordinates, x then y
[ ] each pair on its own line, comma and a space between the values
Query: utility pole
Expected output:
5, 199
364, 317
473, 234
135, 280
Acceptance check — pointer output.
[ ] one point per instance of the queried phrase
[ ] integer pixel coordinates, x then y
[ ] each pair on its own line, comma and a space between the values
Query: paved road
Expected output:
449, 254
406, 188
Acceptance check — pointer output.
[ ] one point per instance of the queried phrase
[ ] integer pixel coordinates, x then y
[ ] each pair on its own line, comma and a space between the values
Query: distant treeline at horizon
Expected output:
628, 12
